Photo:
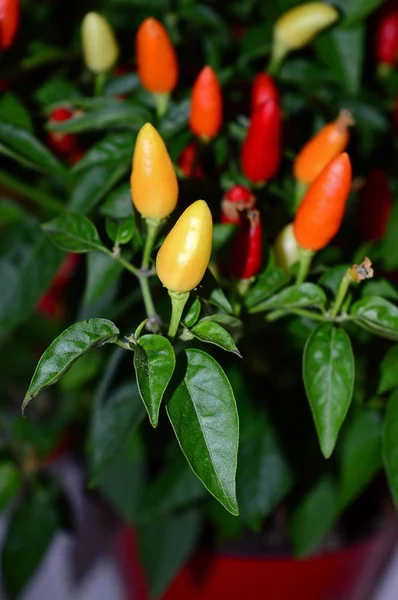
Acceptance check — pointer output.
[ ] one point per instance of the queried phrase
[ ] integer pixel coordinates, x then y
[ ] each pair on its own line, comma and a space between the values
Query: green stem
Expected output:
304, 265
123, 262
124, 345
278, 54
147, 298
41, 199
178, 302
99, 83
301, 312
162, 103
153, 227
341, 294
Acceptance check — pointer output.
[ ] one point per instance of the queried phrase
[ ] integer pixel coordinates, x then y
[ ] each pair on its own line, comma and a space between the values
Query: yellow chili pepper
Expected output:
185, 253
297, 27
100, 47
154, 185
286, 248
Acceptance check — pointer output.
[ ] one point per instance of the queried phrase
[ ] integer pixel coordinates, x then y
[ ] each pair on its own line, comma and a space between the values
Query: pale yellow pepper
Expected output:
100, 47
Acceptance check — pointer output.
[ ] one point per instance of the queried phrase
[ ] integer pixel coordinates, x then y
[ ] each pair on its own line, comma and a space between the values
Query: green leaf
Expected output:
68, 347
389, 371
154, 363
389, 246
176, 119
222, 234
114, 149
28, 537
193, 313
28, 263
121, 85
264, 475
390, 446
377, 315
82, 372
73, 232
10, 483
202, 411
233, 325
93, 184
13, 112
114, 418
380, 287
266, 285
360, 456
102, 272
23, 142
118, 205
332, 278
174, 536
210, 291
10, 211
295, 296
56, 90
354, 11
329, 374
116, 113
121, 232
213, 333
342, 51
313, 517
202, 15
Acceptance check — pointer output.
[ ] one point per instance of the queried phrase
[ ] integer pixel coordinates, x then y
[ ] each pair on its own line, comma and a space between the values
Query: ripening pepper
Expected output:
186, 162
157, 63
261, 150
286, 248
386, 35
247, 247
237, 199
374, 207
154, 185
9, 21
297, 27
100, 47
185, 253
205, 116
63, 143
321, 211
263, 89
330, 141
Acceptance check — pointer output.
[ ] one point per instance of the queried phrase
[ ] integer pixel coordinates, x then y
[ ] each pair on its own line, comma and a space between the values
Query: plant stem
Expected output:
99, 83
162, 103
342, 291
124, 345
301, 312
304, 265
41, 199
147, 298
123, 262
178, 302
153, 227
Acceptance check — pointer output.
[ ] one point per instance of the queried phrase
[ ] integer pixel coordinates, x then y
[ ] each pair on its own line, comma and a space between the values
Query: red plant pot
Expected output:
348, 574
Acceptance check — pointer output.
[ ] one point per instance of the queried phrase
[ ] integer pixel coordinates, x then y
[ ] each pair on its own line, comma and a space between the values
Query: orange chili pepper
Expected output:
323, 147
321, 211
206, 105
157, 63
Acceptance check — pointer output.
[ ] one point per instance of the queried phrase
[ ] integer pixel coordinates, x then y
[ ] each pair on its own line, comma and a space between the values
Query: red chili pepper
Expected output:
186, 162
374, 207
386, 38
9, 21
261, 150
63, 143
205, 116
236, 200
321, 211
246, 252
263, 89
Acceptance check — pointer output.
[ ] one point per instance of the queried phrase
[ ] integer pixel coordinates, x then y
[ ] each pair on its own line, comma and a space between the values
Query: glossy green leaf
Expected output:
121, 232
377, 315
211, 292
390, 445
379, 287
56, 90
360, 456
332, 278
213, 333
10, 211
389, 371
10, 483
82, 372
233, 325
26, 144
266, 285
93, 184
295, 296
121, 85
202, 411
118, 205
114, 149
202, 15
193, 313
314, 517
174, 535
176, 119
13, 112
73, 232
28, 263
329, 374
68, 347
28, 537
128, 116
222, 234
114, 418
354, 11
154, 363
102, 273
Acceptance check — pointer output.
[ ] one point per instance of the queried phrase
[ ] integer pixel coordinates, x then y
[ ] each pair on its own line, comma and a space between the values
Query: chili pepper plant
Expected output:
198, 270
